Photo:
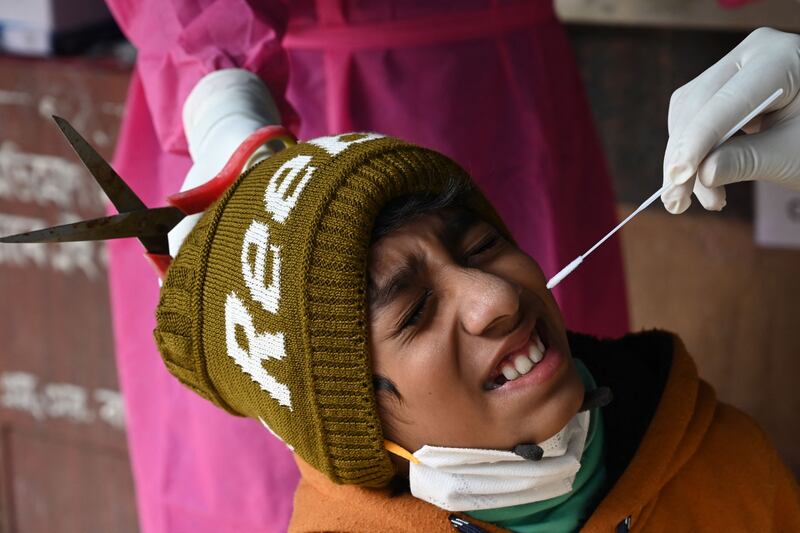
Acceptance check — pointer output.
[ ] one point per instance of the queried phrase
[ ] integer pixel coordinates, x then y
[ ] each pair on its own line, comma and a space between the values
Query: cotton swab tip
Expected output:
566, 271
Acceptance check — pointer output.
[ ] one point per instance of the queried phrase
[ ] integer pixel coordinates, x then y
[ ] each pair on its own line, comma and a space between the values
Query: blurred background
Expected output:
727, 283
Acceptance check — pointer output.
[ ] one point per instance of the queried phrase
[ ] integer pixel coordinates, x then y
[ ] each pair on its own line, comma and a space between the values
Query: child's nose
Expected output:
489, 304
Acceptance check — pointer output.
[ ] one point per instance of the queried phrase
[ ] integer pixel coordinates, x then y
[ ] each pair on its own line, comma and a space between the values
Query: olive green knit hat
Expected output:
263, 311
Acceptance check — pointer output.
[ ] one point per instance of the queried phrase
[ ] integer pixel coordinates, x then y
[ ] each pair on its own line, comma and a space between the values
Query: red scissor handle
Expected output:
198, 199
160, 262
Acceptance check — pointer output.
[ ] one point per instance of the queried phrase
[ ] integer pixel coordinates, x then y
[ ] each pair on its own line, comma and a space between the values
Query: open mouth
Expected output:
520, 361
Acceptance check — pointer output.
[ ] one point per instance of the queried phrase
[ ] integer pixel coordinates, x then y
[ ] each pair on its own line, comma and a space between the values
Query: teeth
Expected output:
522, 364
539, 343
509, 372
535, 353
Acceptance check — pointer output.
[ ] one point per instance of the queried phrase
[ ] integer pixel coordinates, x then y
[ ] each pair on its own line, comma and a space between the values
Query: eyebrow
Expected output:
456, 225
379, 296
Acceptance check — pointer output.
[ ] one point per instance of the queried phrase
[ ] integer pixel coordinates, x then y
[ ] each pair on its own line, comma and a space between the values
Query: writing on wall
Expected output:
23, 391
60, 186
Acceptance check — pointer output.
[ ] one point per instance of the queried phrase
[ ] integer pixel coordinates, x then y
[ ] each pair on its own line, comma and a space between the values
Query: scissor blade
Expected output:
123, 198
151, 224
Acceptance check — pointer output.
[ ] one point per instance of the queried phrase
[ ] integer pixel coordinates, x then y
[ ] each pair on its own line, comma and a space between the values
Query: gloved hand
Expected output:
704, 109
221, 111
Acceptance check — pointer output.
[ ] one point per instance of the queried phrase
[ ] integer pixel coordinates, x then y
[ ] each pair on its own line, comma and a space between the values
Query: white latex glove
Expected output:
704, 109
222, 110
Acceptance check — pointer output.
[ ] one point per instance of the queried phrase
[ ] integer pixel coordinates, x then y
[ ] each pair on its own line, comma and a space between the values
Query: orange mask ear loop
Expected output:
399, 451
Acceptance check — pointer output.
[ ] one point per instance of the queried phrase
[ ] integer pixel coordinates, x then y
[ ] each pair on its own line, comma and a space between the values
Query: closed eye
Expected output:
485, 244
415, 312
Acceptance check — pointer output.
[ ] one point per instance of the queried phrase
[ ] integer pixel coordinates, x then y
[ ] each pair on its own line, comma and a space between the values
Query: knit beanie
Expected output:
264, 312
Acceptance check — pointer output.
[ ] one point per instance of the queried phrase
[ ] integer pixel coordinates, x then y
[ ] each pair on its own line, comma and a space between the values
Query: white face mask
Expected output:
467, 479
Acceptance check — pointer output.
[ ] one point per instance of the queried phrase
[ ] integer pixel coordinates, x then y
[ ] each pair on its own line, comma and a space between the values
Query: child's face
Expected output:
449, 301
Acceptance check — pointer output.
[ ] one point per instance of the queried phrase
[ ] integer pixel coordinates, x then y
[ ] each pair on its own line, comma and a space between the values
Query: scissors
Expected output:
135, 219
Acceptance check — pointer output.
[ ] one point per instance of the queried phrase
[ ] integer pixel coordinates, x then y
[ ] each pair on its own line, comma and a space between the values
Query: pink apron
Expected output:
492, 84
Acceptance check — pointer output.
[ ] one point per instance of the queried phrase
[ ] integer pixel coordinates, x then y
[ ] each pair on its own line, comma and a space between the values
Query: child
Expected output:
359, 297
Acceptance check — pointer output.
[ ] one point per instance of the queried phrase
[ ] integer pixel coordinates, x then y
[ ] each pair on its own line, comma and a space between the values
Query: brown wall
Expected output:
735, 306
63, 455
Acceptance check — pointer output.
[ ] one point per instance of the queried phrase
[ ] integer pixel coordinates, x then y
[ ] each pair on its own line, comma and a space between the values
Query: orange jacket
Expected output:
678, 460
